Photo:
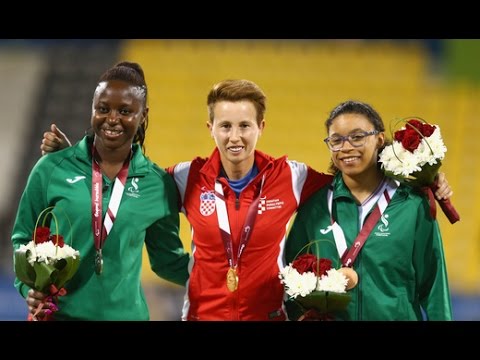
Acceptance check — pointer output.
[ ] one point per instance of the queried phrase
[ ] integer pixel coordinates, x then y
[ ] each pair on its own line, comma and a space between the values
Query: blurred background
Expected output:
45, 81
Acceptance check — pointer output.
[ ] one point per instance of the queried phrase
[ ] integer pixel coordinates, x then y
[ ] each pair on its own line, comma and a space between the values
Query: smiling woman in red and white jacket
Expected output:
239, 203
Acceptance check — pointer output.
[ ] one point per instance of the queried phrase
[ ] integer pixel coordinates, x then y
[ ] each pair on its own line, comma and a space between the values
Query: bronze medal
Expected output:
351, 276
232, 280
98, 262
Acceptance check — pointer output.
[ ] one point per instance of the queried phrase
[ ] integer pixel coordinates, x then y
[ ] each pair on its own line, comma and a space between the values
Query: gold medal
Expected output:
98, 262
232, 280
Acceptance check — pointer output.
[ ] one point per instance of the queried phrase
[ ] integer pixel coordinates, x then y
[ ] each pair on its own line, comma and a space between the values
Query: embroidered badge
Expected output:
133, 190
207, 203
383, 229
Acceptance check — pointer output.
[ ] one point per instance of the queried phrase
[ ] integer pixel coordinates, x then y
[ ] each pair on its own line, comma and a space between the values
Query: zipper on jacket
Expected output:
237, 203
359, 292
235, 301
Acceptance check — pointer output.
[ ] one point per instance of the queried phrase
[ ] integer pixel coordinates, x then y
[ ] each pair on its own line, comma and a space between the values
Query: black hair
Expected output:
131, 73
356, 107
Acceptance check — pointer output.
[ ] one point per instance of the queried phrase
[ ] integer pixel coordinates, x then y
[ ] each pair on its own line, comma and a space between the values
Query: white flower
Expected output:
400, 162
48, 252
334, 281
303, 284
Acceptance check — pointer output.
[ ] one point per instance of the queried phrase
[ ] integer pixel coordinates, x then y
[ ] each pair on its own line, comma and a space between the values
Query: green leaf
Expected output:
67, 268
24, 271
44, 276
40, 276
325, 301
337, 302
425, 177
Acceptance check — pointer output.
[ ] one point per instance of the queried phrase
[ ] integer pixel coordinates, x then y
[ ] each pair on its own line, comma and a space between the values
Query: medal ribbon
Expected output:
100, 232
224, 223
348, 256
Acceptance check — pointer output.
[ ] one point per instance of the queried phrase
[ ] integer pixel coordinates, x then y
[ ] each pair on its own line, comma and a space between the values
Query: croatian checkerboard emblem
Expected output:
262, 207
207, 203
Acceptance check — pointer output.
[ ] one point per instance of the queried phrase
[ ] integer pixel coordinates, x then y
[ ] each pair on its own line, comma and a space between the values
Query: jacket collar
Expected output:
341, 190
139, 164
339, 187
213, 165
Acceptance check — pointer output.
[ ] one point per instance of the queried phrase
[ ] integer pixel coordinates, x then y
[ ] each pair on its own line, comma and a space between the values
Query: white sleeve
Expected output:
299, 176
180, 175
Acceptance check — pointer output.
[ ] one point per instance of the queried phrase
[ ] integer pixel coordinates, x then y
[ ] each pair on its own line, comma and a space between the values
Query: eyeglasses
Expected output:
335, 143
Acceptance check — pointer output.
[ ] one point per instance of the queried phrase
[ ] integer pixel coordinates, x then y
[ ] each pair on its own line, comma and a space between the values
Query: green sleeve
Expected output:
167, 256
32, 203
430, 267
296, 240
297, 237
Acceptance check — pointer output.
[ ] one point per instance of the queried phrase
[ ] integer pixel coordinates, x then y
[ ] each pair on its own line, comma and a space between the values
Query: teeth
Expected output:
350, 159
238, 148
112, 132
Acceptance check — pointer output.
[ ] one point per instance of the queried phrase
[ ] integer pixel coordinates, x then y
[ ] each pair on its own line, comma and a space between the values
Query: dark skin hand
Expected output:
35, 299
54, 140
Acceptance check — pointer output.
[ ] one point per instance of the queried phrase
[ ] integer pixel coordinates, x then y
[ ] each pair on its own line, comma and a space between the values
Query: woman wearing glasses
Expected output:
401, 266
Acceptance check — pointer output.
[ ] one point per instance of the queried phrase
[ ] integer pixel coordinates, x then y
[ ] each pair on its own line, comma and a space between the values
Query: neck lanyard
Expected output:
100, 232
348, 256
224, 225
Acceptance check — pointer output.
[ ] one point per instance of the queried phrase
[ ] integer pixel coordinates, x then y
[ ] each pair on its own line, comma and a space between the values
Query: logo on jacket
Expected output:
262, 205
76, 179
270, 204
133, 190
207, 203
383, 227
326, 230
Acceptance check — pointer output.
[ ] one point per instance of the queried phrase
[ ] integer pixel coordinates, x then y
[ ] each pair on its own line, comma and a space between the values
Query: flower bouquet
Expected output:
316, 286
415, 157
46, 263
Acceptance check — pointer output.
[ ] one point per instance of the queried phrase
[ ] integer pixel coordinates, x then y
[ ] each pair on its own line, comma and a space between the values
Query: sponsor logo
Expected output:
383, 229
133, 190
75, 179
207, 203
327, 230
270, 204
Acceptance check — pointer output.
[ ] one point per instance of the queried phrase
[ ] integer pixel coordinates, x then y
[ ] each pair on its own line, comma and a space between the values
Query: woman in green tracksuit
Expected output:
401, 267
107, 285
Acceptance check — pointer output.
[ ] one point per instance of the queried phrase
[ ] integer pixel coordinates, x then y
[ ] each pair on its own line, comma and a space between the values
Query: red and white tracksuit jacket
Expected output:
260, 294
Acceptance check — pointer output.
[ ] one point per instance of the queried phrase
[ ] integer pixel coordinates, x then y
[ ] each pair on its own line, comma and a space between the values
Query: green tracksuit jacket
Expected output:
148, 214
401, 266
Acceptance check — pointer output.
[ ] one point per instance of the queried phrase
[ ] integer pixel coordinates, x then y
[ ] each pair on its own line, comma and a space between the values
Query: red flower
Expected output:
414, 124
304, 263
422, 161
412, 135
42, 234
411, 140
322, 267
59, 239
427, 129
309, 262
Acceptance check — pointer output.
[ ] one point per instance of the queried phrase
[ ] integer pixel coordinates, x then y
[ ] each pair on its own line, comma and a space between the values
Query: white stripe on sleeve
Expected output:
299, 175
180, 175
